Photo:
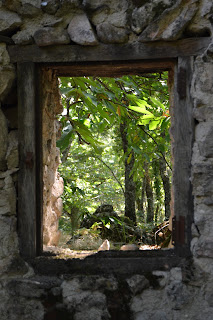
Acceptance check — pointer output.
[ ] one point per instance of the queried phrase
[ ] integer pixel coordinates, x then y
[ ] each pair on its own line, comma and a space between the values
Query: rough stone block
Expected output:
100, 15
8, 197
68, 7
202, 179
176, 274
12, 5
203, 113
58, 187
23, 37
209, 293
9, 21
141, 17
4, 57
79, 299
107, 33
201, 24
178, 295
147, 303
25, 288
209, 51
81, 32
7, 77
137, 283
172, 23
3, 140
50, 6
203, 247
91, 314
118, 19
146, 12
12, 151
203, 132
8, 237
51, 36
202, 86
162, 277
35, 3
115, 6
28, 10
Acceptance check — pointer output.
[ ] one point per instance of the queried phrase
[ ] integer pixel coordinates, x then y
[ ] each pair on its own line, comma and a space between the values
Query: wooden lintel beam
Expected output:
113, 52
115, 69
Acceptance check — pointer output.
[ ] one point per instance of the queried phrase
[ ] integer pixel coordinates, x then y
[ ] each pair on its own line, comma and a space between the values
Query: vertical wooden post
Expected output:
182, 132
27, 159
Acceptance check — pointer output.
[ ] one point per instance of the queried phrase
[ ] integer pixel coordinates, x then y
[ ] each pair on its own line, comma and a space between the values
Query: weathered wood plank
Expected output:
115, 69
182, 131
129, 264
39, 161
104, 52
27, 160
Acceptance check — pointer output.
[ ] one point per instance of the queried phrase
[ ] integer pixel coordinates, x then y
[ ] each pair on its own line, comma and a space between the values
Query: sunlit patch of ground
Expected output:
67, 253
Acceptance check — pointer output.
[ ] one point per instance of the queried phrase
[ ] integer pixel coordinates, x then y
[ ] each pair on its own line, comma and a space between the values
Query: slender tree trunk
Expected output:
149, 195
129, 183
141, 200
166, 187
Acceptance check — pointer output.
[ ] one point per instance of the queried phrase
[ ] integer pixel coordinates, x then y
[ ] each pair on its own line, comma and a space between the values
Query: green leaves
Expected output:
94, 109
66, 137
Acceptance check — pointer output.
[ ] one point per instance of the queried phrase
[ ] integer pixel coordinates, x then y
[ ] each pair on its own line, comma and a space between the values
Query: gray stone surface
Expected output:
107, 33
28, 10
91, 314
3, 140
75, 298
201, 24
137, 284
51, 36
7, 196
35, 3
23, 37
209, 293
178, 295
202, 179
171, 24
145, 14
50, 6
9, 21
25, 288
12, 5
12, 151
115, 6
4, 57
202, 88
7, 77
81, 32
8, 237
203, 247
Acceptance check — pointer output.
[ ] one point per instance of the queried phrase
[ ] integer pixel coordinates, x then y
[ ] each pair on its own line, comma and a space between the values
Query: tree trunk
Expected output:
129, 183
149, 195
141, 200
166, 187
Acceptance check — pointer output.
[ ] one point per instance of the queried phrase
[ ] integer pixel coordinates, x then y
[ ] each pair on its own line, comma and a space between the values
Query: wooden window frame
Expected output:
111, 60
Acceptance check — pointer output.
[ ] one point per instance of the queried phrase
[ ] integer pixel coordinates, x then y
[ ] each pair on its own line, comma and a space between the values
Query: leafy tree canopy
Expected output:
92, 154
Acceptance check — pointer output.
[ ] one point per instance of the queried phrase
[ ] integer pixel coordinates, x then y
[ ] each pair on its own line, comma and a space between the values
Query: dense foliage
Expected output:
115, 147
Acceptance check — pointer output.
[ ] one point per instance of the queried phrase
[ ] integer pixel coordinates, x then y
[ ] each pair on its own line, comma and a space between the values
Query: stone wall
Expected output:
184, 292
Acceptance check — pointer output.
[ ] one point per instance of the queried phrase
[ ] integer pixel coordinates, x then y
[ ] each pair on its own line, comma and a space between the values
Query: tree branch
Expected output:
147, 133
111, 172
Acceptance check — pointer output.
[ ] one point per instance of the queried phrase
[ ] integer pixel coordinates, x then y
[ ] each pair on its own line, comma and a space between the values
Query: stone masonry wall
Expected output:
184, 292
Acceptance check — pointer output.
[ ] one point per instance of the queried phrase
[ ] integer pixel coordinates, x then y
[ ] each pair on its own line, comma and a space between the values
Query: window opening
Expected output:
115, 163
